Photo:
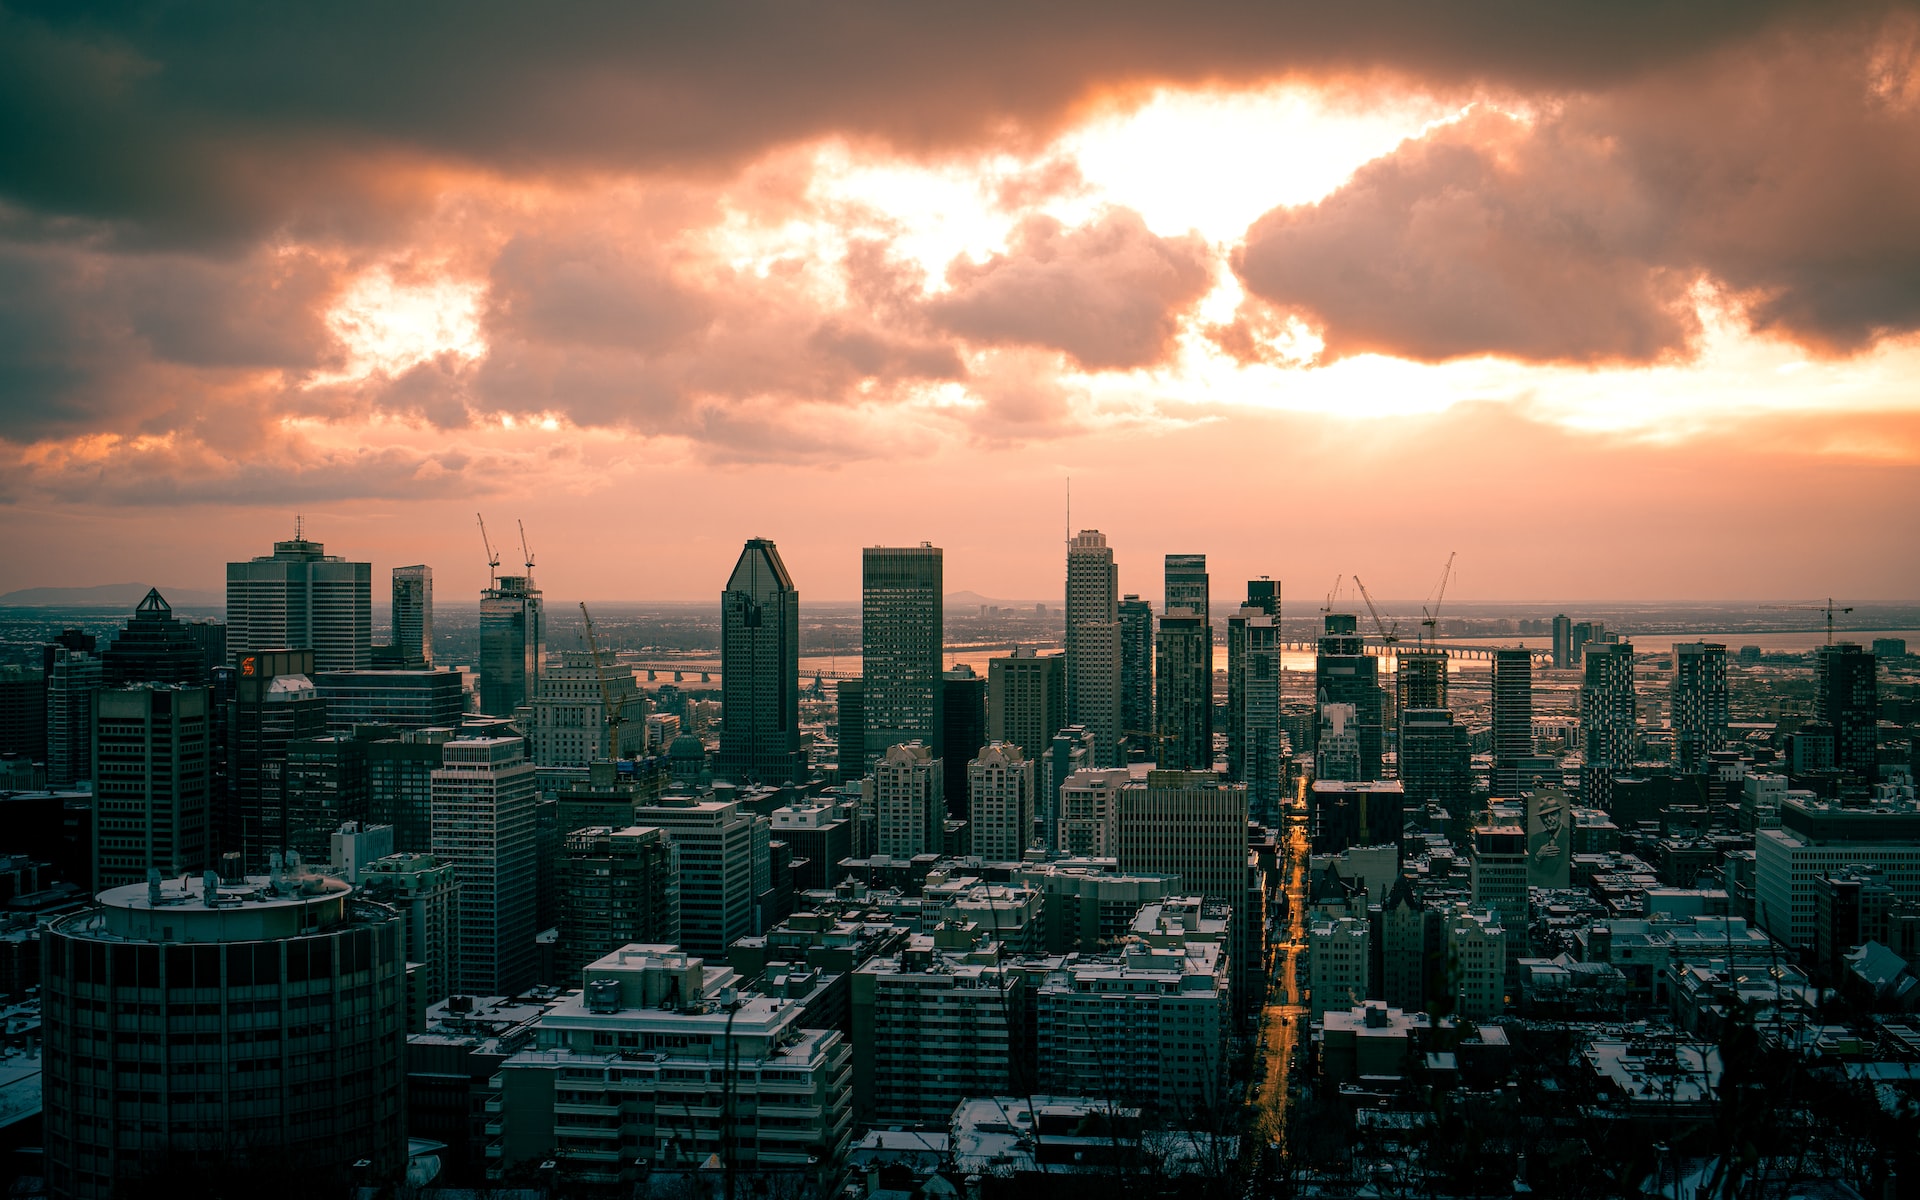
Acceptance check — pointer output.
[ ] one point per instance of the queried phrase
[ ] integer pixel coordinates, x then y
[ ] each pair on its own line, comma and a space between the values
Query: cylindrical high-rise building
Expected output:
257, 1024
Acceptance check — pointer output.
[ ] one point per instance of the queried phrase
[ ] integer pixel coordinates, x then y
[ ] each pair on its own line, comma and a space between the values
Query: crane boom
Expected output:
1828, 608
1389, 636
615, 713
1431, 617
493, 556
1328, 606
525, 553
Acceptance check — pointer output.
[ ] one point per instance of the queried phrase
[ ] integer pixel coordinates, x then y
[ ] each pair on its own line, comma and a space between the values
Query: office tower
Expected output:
513, 644
1253, 699
406, 699
413, 615
73, 676
1136, 676
1000, 791
1026, 699
23, 712
909, 808
152, 801
1150, 1024
730, 1078
1188, 823
901, 642
1344, 673
760, 671
302, 598
850, 723
617, 887
274, 704
426, 894
724, 868
303, 1079
210, 637
1435, 760
1846, 696
1512, 685
1183, 687
483, 827
821, 835
1698, 702
1187, 589
327, 784
1093, 641
1420, 679
966, 720
570, 717
400, 771
1344, 813
1562, 642
1609, 720
1818, 837
1068, 752
933, 1026
154, 647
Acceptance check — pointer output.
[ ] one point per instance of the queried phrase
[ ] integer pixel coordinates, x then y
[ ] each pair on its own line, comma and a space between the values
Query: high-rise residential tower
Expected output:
513, 644
910, 811
1512, 718
1000, 789
1188, 589
617, 887
1183, 692
1846, 697
1609, 718
483, 827
73, 676
1093, 641
1698, 702
302, 598
1563, 657
760, 670
413, 615
902, 635
1253, 698
1344, 673
1136, 676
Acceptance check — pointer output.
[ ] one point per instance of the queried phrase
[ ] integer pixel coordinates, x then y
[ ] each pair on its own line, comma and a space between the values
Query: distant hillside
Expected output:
108, 595
975, 600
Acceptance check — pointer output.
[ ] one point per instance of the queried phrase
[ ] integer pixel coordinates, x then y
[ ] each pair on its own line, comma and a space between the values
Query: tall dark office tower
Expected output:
413, 615
966, 718
902, 635
211, 638
1093, 641
154, 648
1344, 673
513, 644
152, 806
73, 676
1846, 696
1136, 676
23, 712
760, 670
1698, 702
400, 769
1435, 760
617, 887
1253, 701
1609, 718
1562, 642
1512, 718
484, 803
327, 783
850, 716
1419, 681
1027, 700
300, 596
1183, 692
1187, 587
274, 704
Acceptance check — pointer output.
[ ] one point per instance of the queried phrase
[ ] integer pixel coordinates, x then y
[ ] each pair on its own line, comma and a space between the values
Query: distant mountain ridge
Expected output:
108, 595
975, 599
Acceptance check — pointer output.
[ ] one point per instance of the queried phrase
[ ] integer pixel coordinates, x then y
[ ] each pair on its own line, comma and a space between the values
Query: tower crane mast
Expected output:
1430, 617
1828, 608
493, 556
1387, 635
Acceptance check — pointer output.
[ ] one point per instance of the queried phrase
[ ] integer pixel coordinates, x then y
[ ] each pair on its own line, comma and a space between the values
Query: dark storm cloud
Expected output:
215, 120
1786, 174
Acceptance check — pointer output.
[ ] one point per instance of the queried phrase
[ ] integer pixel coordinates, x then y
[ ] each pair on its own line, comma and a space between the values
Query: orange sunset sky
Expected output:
1618, 300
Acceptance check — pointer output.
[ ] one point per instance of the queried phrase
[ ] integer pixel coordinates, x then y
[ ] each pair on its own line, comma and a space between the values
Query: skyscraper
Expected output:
1419, 682
1846, 696
724, 868
154, 648
1698, 702
152, 804
1609, 718
570, 726
1136, 675
1000, 789
618, 887
1183, 692
909, 811
901, 642
1253, 698
413, 615
483, 827
1344, 673
1190, 824
327, 783
73, 676
1562, 642
1512, 718
274, 704
301, 598
1093, 641
1188, 589
1435, 758
513, 644
966, 718
1026, 700
760, 670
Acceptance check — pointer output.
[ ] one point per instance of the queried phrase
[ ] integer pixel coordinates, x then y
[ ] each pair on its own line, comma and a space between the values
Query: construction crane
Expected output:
1387, 635
1328, 606
493, 556
1828, 608
616, 714
524, 552
1430, 617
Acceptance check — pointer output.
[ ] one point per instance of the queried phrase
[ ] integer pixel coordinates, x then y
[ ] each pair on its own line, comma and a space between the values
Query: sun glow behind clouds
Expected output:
388, 325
